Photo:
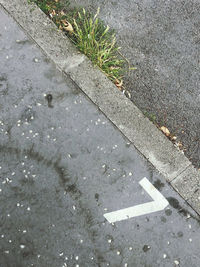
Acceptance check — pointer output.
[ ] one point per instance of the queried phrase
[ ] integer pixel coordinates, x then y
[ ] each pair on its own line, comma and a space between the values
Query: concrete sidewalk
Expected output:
65, 165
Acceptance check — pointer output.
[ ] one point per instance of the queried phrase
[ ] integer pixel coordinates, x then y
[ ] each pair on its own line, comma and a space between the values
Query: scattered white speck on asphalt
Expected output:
24, 231
22, 246
18, 204
0, 189
126, 265
6, 251
73, 207
13, 173
76, 258
109, 240
118, 252
81, 241
2, 236
190, 226
38, 255
176, 262
10, 241
39, 104
28, 208
190, 239
130, 248
164, 256
130, 174
105, 209
61, 254
8, 215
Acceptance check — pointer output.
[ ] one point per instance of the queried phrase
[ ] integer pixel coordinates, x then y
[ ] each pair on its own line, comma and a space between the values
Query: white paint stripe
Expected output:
152, 191
158, 204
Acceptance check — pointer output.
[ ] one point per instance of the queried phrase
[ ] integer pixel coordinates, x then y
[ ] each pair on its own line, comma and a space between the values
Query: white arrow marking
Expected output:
158, 204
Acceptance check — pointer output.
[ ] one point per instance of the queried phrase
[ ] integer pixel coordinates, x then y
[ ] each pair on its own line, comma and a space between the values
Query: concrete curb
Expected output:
166, 158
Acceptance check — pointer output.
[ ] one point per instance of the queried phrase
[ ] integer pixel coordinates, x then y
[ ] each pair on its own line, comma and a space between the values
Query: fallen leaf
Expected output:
165, 130
62, 13
67, 26
52, 13
173, 138
119, 83
179, 144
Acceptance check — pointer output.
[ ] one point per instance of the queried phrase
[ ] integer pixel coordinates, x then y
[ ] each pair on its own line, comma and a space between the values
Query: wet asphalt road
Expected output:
161, 38
63, 166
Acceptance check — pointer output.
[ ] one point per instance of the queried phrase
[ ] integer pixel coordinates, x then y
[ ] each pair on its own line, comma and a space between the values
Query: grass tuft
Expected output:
90, 35
98, 42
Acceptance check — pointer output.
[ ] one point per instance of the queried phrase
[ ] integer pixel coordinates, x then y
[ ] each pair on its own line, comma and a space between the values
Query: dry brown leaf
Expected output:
52, 13
67, 26
119, 83
179, 144
173, 138
165, 130
62, 13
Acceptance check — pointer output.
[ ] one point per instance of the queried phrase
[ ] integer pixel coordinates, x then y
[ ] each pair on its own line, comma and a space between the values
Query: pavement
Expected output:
67, 164
161, 38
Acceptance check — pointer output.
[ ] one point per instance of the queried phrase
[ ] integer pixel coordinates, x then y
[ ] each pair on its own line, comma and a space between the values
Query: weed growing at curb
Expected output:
96, 41
90, 35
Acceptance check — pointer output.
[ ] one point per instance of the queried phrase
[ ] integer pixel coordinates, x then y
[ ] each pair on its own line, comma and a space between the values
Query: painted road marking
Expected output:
158, 203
